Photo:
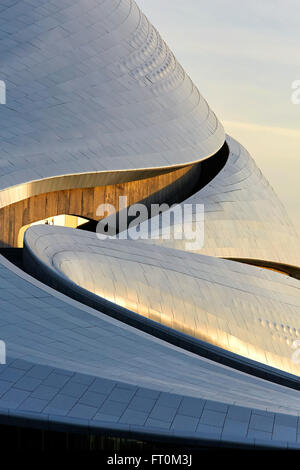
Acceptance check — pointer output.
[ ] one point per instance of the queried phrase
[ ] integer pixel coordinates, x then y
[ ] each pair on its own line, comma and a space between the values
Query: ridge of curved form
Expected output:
247, 310
95, 97
96, 90
243, 217
53, 345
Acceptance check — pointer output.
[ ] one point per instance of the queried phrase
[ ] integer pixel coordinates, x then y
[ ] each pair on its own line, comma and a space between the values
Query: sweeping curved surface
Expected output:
69, 365
96, 97
243, 217
92, 87
245, 309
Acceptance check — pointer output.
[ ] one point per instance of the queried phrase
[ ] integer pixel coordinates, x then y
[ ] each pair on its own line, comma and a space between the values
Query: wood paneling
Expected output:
167, 187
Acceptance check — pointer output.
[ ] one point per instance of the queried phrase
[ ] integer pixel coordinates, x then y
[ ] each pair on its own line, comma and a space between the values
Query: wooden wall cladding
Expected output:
170, 187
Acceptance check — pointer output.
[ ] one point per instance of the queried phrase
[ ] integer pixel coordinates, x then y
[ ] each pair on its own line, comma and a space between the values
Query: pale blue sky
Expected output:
244, 56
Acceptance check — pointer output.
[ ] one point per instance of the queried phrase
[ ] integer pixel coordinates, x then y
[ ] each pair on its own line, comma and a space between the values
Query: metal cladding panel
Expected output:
92, 87
248, 310
243, 217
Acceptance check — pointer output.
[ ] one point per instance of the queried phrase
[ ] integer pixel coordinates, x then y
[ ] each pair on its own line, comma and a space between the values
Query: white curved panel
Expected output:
92, 87
243, 217
68, 362
247, 310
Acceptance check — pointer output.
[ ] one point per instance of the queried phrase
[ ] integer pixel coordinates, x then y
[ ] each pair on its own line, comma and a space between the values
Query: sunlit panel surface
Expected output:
243, 217
95, 97
248, 310
57, 347
62, 220
92, 87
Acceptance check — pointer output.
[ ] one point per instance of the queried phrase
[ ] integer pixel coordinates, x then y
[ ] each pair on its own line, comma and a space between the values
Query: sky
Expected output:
244, 57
